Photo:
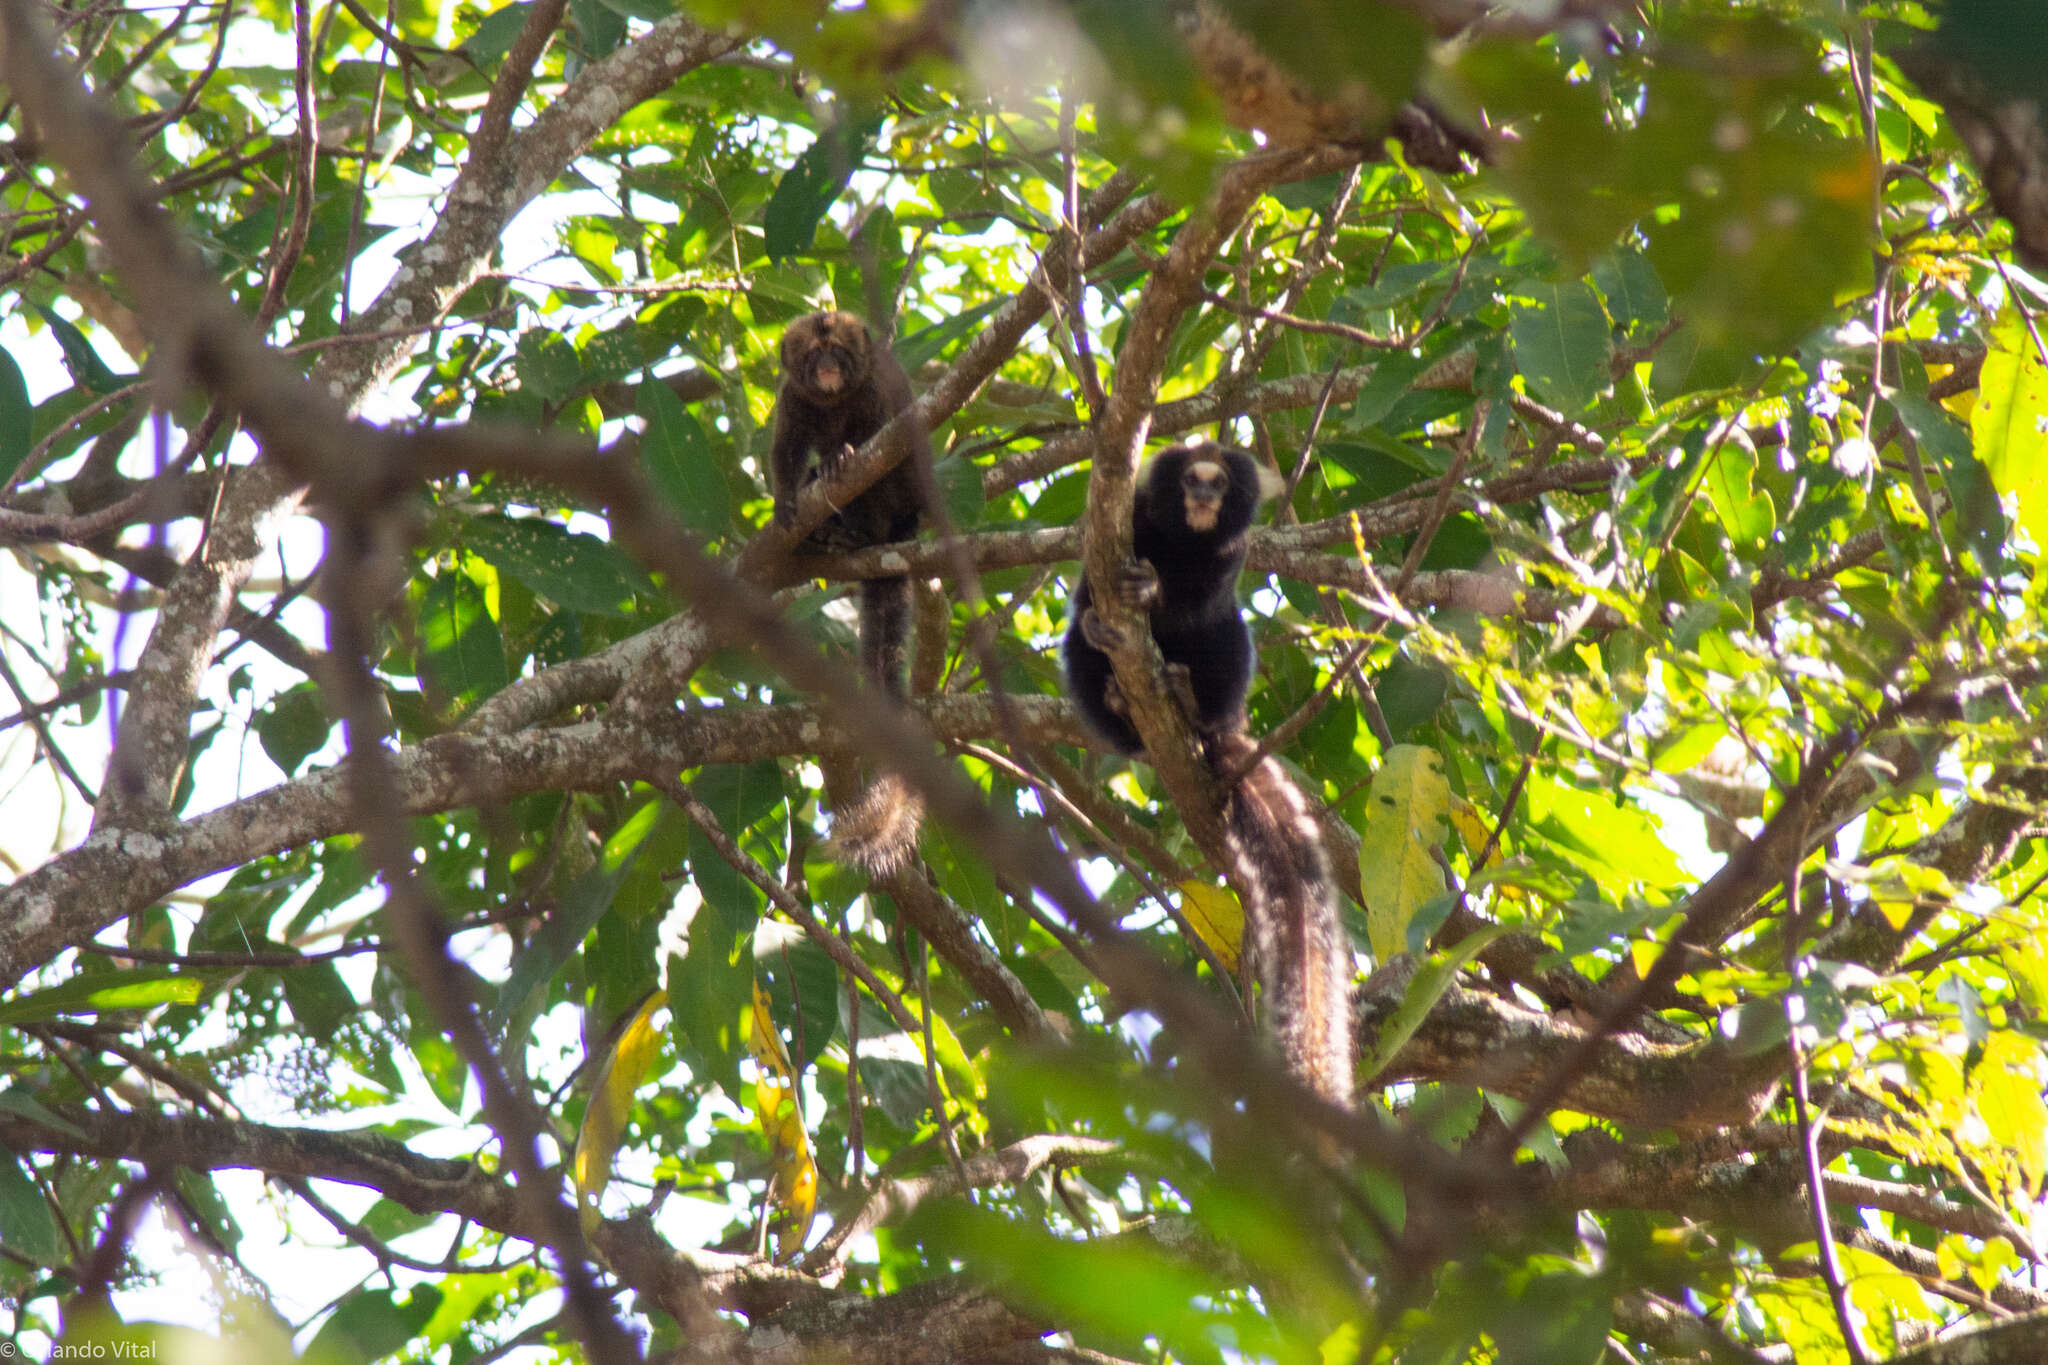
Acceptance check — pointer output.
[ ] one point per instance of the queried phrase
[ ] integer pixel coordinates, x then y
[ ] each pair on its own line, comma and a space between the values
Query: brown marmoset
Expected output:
840, 387
1193, 506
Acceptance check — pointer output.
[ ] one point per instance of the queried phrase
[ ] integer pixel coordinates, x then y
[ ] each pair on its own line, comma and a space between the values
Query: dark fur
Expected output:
838, 389
1186, 578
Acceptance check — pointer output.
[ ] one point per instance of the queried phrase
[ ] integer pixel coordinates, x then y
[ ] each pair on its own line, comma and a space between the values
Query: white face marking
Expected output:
1203, 484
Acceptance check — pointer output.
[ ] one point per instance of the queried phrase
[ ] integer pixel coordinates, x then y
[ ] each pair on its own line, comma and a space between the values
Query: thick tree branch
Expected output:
115, 872
1484, 1040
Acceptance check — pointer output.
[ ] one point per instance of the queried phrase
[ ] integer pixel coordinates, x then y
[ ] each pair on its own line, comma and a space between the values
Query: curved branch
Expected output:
1009, 1165
1484, 1040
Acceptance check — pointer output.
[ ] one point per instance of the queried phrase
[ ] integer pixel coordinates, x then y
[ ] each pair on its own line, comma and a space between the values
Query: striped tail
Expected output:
1300, 956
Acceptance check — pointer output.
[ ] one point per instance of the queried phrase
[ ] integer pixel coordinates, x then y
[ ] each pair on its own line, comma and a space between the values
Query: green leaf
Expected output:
14, 1102
126, 989
728, 895
1679, 753
1562, 343
26, 1223
741, 795
547, 365
600, 28
711, 998
203, 1198
1430, 982
1599, 834
1635, 296
84, 363
494, 34
1405, 822
1755, 1026
17, 417
561, 934
294, 725
960, 489
2009, 1100
804, 986
809, 187
1409, 693
389, 1220
371, 1324
929, 343
319, 998
1558, 1319
1746, 516
1970, 486
1391, 376
677, 458
568, 568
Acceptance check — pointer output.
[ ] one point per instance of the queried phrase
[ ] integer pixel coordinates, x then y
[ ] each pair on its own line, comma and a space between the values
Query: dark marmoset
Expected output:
1188, 522
839, 387
1189, 518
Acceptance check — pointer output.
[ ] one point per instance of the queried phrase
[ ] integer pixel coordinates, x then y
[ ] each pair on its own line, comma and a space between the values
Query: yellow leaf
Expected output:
1404, 821
611, 1100
1215, 915
1472, 826
1949, 1256
1342, 1345
1998, 1259
1643, 955
793, 1190
2007, 1081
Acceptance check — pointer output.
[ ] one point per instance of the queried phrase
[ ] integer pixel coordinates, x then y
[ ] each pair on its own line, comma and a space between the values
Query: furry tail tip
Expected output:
878, 833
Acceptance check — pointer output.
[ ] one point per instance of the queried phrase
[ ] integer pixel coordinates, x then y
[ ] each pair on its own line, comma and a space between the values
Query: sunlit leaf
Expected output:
2010, 420
1404, 824
1215, 914
130, 988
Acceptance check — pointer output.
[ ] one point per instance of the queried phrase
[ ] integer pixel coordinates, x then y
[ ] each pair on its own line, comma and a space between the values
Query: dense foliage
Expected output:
1651, 610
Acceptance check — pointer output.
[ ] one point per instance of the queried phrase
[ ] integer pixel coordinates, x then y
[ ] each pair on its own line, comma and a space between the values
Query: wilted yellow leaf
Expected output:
611, 1099
1215, 914
1471, 825
793, 1191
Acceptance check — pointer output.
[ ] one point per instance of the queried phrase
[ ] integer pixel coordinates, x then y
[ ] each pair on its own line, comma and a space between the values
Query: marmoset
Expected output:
1193, 506
839, 387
